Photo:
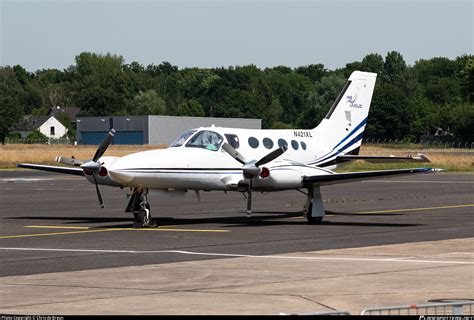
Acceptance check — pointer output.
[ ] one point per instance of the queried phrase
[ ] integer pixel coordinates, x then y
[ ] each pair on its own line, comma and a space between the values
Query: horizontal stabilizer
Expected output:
74, 171
336, 178
69, 161
383, 159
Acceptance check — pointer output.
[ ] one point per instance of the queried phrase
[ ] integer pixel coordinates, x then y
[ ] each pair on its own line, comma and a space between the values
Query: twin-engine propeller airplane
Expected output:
229, 159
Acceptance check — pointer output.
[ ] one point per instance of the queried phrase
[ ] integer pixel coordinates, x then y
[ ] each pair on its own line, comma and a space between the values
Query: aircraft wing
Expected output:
336, 178
383, 159
74, 171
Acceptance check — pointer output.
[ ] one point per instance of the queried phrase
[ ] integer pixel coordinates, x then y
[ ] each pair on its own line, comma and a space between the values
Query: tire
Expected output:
139, 219
312, 220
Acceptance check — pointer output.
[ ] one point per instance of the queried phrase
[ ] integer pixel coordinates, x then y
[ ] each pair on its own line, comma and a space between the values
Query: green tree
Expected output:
389, 116
350, 67
37, 137
11, 101
394, 66
147, 103
320, 101
462, 121
372, 63
291, 89
315, 72
272, 114
467, 79
443, 90
97, 101
97, 80
191, 108
88, 63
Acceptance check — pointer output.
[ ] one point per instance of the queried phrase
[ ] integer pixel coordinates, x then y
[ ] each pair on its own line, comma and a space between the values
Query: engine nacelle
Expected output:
103, 177
287, 176
283, 178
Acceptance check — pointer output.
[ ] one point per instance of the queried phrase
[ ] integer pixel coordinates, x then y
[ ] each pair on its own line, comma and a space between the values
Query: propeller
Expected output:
93, 166
251, 169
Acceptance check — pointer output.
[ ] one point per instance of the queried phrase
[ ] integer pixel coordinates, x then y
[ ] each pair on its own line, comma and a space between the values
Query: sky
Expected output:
39, 34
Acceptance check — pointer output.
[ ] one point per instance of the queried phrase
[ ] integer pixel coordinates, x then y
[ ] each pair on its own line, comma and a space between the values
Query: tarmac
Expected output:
383, 242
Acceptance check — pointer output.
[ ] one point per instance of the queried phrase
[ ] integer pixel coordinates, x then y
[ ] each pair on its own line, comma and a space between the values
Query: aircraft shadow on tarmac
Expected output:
364, 214
259, 218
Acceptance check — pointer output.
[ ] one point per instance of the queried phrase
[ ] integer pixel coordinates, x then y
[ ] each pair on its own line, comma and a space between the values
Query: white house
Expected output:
47, 125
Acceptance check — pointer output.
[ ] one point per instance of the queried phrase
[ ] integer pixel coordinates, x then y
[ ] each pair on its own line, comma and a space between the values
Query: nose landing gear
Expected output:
139, 206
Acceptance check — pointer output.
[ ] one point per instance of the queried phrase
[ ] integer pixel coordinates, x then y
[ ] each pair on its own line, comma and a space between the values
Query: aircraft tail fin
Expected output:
342, 129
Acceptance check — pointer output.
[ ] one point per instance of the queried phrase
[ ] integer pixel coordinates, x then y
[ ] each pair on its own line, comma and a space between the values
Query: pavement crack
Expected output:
317, 302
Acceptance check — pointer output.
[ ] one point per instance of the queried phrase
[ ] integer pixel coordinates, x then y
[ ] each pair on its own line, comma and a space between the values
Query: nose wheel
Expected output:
139, 206
143, 218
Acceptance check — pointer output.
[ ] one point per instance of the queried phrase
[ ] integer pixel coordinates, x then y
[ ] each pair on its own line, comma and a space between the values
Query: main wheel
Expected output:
312, 220
140, 220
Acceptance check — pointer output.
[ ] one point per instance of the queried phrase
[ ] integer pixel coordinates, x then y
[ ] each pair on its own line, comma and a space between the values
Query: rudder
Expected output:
341, 131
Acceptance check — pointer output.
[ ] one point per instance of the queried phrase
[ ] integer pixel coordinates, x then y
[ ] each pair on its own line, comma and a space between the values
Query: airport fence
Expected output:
411, 143
451, 308
462, 307
323, 313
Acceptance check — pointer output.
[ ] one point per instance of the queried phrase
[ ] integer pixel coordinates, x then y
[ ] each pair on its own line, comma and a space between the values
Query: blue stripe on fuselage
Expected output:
350, 144
347, 137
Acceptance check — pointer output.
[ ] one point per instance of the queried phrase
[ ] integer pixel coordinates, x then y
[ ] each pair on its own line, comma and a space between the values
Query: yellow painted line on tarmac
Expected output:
60, 227
302, 217
52, 234
94, 229
176, 230
416, 209
162, 228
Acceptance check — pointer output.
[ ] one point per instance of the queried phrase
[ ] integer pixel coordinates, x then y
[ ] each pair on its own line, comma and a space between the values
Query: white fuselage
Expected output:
187, 167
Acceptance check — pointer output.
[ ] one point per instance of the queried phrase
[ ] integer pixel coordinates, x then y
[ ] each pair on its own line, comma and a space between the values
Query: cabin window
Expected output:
233, 140
268, 143
253, 142
282, 143
303, 145
51, 131
205, 139
182, 138
295, 144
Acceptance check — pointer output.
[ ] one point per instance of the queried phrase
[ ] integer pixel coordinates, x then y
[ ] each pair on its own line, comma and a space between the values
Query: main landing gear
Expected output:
139, 206
314, 208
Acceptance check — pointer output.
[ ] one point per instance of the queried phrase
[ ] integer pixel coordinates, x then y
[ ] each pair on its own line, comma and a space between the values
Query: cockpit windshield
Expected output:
182, 138
206, 139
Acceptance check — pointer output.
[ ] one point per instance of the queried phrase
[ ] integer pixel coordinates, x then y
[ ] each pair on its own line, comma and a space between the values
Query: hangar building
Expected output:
154, 130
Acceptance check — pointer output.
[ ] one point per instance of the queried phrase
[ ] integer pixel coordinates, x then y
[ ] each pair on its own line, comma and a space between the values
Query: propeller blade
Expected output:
69, 161
101, 202
271, 156
233, 153
104, 145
